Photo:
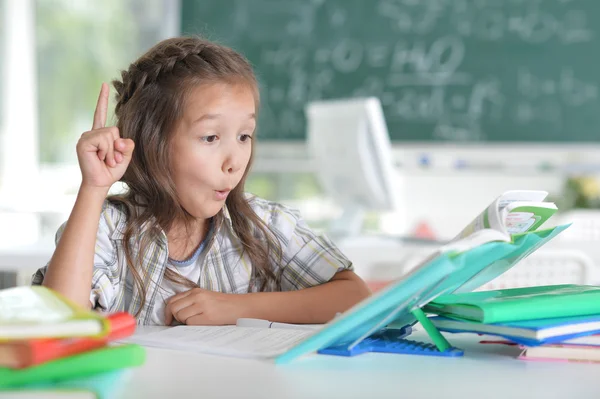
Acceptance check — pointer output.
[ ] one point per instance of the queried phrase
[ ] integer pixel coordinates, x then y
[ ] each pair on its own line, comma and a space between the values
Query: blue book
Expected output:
526, 332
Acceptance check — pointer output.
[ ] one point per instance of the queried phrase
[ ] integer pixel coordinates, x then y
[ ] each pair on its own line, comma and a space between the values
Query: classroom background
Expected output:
479, 97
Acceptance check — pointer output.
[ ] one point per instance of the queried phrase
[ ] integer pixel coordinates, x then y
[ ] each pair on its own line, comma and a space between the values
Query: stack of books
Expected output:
49, 346
559, 322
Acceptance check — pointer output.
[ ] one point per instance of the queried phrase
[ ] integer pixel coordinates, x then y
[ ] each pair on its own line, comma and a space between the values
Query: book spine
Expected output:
81, 365
121, 325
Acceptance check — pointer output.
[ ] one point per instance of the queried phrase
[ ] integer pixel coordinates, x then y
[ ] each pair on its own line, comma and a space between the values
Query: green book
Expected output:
85, 364
515, 304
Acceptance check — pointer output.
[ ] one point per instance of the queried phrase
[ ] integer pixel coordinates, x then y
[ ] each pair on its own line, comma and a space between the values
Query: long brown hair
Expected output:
151, 97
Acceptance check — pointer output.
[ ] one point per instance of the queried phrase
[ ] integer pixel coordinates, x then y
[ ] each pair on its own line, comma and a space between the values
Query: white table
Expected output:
485, 372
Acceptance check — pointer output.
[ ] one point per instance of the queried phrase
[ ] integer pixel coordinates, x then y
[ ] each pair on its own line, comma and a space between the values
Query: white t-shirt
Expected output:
190, 269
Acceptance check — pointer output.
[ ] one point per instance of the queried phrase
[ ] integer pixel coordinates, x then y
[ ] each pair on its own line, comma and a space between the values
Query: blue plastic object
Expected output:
391, 341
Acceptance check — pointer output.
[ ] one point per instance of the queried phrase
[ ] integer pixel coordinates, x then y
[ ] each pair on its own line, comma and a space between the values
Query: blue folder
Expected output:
444, 272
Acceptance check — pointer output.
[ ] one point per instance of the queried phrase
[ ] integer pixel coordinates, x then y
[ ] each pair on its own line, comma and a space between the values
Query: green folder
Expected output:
82, 365
516, 304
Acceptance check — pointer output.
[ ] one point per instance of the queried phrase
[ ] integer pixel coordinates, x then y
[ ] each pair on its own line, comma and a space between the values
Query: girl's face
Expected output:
211, 146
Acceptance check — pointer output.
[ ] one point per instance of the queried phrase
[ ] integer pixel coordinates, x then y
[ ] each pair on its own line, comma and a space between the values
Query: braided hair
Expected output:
182, 58
150, 100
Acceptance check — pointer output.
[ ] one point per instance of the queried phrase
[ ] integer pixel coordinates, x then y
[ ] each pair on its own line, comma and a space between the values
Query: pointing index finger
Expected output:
101, 108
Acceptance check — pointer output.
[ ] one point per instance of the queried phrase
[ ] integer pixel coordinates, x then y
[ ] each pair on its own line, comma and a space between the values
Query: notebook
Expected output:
526, 332
245, 342
519, 303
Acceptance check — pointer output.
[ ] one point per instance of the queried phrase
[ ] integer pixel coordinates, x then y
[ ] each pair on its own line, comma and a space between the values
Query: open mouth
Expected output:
221, 194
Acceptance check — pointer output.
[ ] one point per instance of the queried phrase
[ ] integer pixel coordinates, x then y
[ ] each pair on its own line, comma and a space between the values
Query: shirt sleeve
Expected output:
308, 259
105, 277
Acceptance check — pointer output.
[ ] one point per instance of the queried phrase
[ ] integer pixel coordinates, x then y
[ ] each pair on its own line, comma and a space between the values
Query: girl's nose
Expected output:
230, 164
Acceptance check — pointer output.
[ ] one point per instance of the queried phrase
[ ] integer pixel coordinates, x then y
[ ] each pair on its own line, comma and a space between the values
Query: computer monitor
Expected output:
350, 146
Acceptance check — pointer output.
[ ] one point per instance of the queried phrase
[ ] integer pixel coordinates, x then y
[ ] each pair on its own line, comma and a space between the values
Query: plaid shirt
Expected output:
308, 259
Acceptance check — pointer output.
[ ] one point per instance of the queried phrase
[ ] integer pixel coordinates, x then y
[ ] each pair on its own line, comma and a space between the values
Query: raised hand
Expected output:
103, 155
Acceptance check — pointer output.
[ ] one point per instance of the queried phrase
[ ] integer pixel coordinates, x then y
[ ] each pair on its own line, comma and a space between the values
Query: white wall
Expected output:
446, 195
448, 202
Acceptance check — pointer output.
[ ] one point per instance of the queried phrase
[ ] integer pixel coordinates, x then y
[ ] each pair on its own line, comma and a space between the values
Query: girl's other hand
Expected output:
103, 155
203, 307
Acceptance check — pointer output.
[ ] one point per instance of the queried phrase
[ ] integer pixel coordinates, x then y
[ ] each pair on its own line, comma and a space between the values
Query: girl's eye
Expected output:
209, 139
245, 137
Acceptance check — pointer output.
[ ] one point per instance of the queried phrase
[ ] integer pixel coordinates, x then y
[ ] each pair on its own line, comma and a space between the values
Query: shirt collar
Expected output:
227, 222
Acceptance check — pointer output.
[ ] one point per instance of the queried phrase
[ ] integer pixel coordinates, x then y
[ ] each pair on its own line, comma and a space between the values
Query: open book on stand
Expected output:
512, 213
506, 232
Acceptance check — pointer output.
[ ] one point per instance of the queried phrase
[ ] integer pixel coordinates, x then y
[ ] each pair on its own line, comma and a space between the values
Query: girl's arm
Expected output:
103, 158
71, 267
314, 305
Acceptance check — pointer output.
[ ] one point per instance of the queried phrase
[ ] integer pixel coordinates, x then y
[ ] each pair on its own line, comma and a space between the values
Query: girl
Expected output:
184, 244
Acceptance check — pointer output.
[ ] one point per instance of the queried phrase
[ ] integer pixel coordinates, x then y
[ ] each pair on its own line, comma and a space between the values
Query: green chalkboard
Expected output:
444, 70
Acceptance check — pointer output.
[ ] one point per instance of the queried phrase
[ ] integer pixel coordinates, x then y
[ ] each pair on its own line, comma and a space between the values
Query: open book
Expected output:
236, 341
514, 212
481, 253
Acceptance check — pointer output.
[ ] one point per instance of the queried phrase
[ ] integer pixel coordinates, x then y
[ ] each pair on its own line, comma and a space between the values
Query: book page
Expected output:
226, 340
521, 216
481, 222
493, 217
519, 222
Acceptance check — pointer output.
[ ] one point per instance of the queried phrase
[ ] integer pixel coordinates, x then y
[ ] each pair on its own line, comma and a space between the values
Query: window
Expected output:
80, 44
54, 54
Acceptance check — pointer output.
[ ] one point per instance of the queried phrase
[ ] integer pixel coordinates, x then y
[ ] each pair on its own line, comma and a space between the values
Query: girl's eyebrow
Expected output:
206, 117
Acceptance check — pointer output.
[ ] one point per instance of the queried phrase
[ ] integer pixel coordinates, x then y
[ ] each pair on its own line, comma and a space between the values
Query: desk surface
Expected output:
486, 371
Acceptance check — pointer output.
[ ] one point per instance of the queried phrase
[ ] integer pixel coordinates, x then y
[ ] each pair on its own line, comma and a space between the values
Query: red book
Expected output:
25, 353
